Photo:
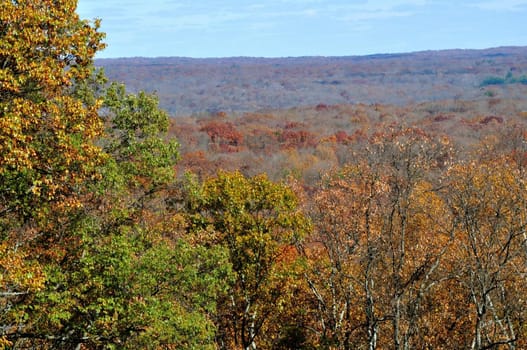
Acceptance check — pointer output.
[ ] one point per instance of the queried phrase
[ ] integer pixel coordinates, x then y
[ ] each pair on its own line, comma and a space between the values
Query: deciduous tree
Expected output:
381, 233
47, 153
256, 220
83, 167
487, 200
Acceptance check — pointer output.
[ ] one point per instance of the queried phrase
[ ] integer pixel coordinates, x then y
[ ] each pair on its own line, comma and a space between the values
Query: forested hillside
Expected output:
326, 225
188, 86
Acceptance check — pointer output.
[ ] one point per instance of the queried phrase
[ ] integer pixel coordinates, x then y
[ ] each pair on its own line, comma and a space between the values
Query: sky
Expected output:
292, 28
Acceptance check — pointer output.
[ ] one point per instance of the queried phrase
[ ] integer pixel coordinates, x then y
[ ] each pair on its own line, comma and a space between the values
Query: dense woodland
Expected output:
189, 86
335, 226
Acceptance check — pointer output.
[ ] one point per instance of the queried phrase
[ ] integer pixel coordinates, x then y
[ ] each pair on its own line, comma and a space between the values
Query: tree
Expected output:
488, 201
223, 135
130, 280
44, 49
381, 232
84, 166
256, 220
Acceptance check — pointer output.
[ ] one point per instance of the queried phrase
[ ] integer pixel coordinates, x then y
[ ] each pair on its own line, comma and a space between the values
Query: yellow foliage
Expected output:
17, 272
45, 130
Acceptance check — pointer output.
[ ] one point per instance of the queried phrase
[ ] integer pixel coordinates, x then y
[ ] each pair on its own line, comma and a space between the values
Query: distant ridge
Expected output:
499, 51
240, 84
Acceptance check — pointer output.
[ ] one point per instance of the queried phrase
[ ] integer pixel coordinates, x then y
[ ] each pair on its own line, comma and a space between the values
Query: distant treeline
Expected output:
508, 79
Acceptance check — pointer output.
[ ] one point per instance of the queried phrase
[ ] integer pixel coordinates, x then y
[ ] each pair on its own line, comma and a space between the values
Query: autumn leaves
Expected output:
406, 246
413, 249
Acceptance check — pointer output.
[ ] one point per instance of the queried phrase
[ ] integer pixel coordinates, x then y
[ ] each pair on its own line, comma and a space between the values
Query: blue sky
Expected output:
280, 28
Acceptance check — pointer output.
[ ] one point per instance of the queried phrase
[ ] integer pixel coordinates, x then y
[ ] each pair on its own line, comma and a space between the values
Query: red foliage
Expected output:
297, 139
342, 137
490, 118
223, 133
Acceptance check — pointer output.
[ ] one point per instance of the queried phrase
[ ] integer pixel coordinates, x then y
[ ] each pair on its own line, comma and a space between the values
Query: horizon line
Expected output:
317, 56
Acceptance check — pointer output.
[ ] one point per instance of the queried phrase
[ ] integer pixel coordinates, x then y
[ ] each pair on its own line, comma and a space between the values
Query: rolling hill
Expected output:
188, 86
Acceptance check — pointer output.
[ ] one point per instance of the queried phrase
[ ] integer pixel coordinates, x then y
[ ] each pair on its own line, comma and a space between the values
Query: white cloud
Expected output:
388, 5
501, 5
197, 21
377, 10
374, 15
210, 27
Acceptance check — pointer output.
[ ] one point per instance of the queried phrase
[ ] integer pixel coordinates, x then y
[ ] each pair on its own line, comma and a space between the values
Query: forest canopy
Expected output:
115, 235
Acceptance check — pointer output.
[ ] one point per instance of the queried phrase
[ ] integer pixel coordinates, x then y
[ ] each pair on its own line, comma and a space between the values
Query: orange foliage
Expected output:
224, 135
297, 139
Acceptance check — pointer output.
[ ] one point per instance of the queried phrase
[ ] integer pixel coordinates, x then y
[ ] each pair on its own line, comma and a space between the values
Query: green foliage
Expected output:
251, 216
129, 292
83, 165
508, 79
113, 279
493, 81
255, 220
135, 124
121, 283
47, 153
490, 93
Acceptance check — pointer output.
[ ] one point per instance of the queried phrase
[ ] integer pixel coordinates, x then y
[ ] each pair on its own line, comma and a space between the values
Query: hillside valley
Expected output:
187, 86
332, 203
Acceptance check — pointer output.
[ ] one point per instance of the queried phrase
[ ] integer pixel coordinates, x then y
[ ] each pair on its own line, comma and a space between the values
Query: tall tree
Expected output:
47, 153
488, 201
256, 220
381, 233
84, 259
130, 280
